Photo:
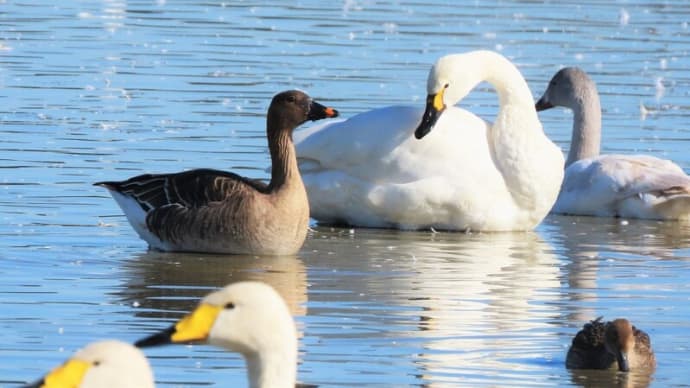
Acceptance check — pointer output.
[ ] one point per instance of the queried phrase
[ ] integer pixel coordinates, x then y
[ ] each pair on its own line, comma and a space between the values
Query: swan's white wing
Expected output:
637, 186
349, 145
369, 170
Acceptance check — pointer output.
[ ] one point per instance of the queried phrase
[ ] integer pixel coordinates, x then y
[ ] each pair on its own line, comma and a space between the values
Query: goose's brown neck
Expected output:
283, 158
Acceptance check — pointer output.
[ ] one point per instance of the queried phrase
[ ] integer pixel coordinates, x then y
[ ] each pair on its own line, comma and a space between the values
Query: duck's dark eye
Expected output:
231, 305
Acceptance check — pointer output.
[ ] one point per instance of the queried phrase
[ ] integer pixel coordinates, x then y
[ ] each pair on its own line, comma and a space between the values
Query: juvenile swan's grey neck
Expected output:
586, 137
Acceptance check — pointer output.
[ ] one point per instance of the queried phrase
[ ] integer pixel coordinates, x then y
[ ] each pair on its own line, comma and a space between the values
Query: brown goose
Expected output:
613, 344
208, 210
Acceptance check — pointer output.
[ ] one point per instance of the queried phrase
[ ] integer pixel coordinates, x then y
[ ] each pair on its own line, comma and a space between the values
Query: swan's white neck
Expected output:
586, 138
498, 71
508, 82
273, 368
521, 152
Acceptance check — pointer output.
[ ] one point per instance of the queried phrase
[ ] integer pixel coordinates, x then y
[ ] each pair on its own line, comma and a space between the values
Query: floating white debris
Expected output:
659, 87
623, 17
390, 28
643, 111
624, 222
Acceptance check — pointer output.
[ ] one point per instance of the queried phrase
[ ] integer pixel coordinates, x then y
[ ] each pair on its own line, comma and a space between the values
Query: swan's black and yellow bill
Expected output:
318, 111
434, 108
194, 327
542, 104
69, 374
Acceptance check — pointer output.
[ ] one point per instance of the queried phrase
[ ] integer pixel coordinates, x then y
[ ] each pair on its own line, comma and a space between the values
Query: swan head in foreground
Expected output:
602, 345
250, 318
101, 364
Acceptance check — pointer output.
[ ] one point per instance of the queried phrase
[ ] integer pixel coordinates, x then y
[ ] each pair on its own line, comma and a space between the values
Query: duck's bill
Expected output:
318, 111
195, 327
623, 364
69, 374
542, 104
434, 108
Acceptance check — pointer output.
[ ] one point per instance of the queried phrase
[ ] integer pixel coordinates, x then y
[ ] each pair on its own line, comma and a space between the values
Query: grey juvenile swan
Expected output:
631, 186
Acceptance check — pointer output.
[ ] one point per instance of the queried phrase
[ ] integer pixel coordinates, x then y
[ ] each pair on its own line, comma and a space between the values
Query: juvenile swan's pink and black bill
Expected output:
318, 111
194, 327
542, 104
434, 108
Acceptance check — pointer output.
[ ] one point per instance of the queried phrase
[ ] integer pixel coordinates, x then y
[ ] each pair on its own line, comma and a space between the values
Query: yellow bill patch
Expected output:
197, 325
438, 100
69, 374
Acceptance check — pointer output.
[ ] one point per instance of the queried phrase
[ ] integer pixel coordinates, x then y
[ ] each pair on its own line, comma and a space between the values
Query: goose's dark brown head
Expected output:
293, 108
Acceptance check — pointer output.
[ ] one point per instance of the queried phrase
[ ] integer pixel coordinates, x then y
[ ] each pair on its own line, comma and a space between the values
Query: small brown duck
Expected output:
612, 344
207, 210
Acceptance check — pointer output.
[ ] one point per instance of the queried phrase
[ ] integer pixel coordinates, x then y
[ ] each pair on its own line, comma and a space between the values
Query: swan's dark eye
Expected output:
446, 86
97, 363
231, 305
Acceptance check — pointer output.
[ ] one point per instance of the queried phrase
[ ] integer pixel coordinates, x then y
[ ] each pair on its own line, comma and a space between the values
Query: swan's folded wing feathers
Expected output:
348, 145
659, 183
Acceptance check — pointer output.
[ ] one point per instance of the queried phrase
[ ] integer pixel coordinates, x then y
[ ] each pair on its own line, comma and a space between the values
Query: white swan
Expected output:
631, 186
245, 317
467, 174
101, 364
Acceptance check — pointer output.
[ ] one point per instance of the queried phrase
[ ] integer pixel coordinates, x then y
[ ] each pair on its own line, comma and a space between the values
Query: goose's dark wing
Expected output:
189, 189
